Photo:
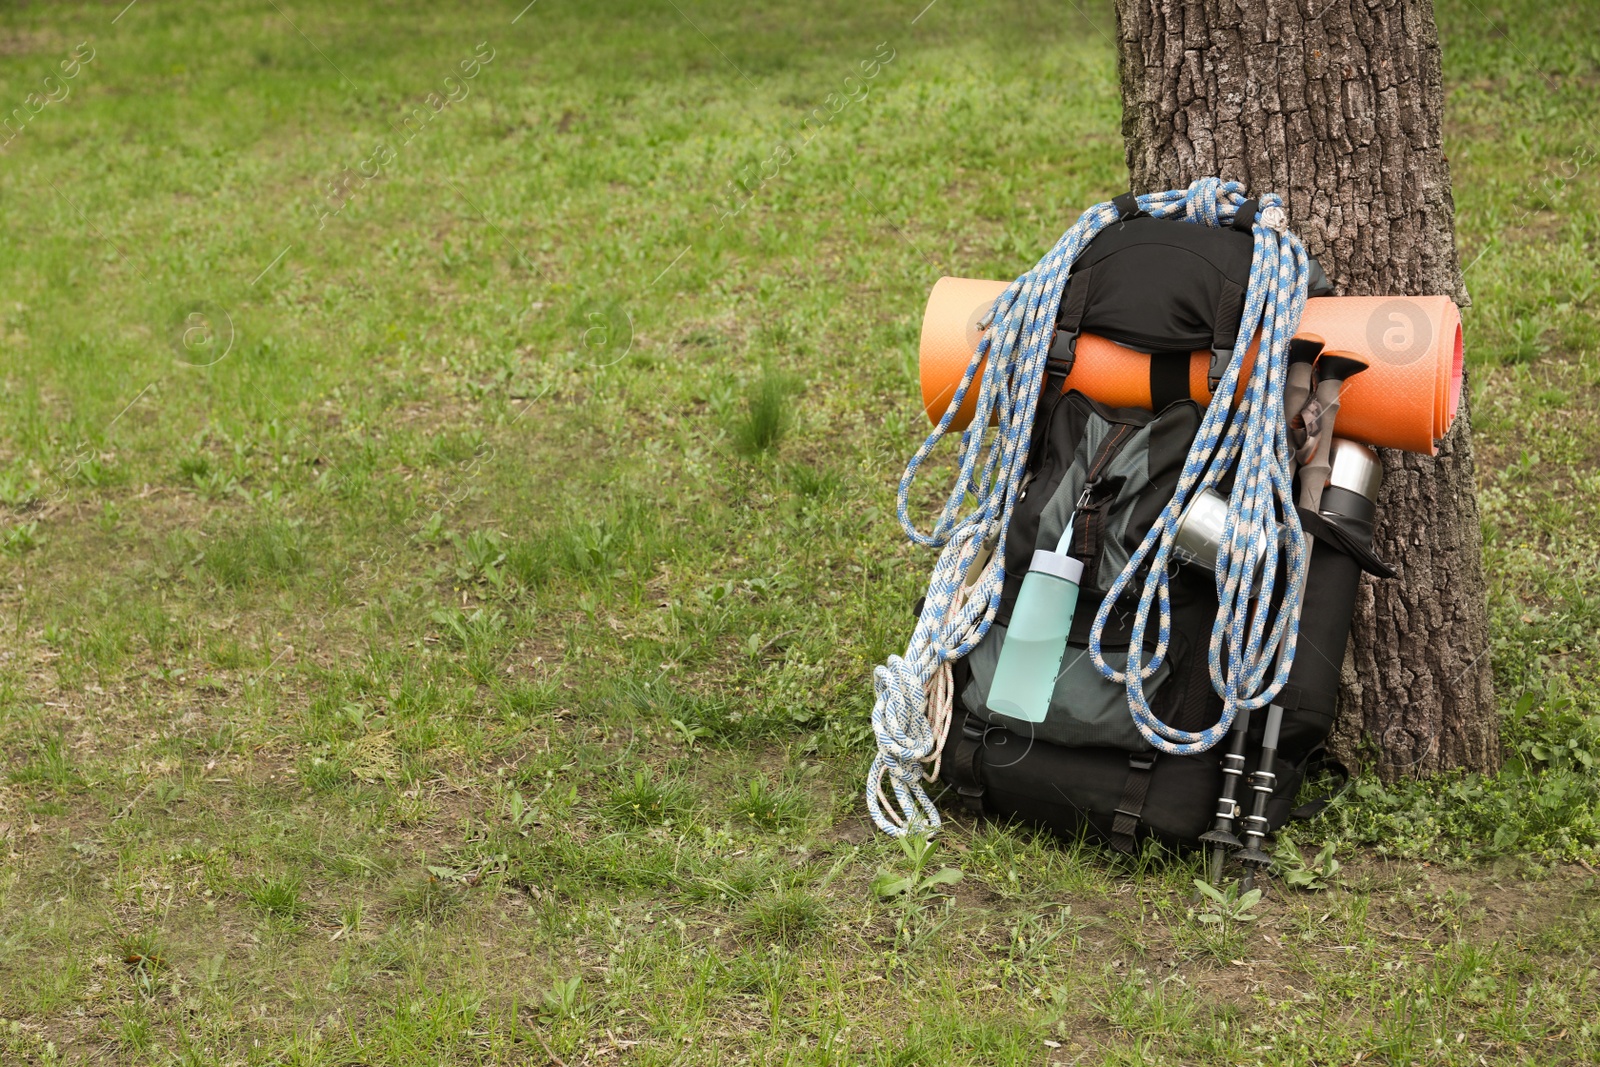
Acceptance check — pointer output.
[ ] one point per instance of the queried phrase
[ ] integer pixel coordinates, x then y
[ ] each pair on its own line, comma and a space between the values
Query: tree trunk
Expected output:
1337, 106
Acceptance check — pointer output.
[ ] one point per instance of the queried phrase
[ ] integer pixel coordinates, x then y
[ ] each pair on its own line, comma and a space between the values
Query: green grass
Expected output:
445, 552
767, 414
276, 897
265, 551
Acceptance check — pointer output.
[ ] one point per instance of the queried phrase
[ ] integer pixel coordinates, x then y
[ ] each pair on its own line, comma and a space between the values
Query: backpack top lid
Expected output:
1157, 285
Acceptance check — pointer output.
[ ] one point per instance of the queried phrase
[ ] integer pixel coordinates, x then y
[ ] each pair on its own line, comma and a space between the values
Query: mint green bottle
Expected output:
1036, 639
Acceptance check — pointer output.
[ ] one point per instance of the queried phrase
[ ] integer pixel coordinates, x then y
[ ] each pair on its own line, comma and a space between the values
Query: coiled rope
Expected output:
1241, 650
910, 713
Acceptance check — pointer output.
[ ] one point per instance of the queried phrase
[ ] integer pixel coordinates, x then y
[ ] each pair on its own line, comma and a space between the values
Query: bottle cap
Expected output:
1057, 565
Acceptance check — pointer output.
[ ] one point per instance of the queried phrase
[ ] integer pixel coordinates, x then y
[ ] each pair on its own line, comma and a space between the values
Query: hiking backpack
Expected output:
1168, 288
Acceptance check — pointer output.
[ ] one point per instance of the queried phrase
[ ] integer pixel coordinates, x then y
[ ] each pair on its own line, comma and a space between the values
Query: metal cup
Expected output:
1199, 539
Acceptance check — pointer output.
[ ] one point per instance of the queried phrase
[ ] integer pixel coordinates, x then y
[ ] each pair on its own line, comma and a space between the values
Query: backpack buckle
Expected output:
1063, 353
1220, 358
971, 799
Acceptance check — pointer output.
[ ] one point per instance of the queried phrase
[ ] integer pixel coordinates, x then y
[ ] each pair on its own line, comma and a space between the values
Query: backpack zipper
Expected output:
1087, 540
1104, 454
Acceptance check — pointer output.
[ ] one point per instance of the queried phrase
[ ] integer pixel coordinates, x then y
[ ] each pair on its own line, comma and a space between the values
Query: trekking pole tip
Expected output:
1253, 858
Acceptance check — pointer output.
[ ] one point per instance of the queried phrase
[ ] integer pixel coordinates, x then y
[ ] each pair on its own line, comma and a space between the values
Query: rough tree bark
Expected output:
1337, 105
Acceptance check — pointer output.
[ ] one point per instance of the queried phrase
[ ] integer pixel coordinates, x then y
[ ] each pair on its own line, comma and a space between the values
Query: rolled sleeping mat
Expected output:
1407, 399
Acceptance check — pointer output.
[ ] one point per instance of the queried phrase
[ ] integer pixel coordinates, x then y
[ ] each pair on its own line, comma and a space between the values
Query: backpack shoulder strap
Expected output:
1230, 304
1069, 320
1319, 760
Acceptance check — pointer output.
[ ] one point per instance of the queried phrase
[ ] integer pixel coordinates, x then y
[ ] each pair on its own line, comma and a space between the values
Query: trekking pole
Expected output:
1221, 837
1199, 541
1303, 352
1332, 370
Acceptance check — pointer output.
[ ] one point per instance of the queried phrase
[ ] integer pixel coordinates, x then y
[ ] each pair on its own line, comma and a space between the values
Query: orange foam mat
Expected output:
1407, 397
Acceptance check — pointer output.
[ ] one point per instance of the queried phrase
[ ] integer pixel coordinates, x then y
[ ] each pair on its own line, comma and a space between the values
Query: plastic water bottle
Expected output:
1036, 639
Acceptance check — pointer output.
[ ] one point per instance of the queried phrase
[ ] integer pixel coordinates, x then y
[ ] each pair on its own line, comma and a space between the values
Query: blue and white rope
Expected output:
1251, 440
990, 466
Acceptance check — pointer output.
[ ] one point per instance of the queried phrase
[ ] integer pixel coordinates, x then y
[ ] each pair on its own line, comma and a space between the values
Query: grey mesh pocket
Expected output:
1114, 454
1085, 709
1111, 482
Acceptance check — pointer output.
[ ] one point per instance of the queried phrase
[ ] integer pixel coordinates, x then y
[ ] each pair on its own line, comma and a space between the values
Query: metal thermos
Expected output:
1355, 475
1199, 537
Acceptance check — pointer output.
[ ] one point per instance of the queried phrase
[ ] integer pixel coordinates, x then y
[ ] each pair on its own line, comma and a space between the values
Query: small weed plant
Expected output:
642, 801
276, 897
769, 809
785, 916
915, 884
1224, 912
1320, 873
563, 1000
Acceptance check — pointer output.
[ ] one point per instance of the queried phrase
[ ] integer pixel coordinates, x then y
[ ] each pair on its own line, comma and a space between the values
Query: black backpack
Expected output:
1169, 288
